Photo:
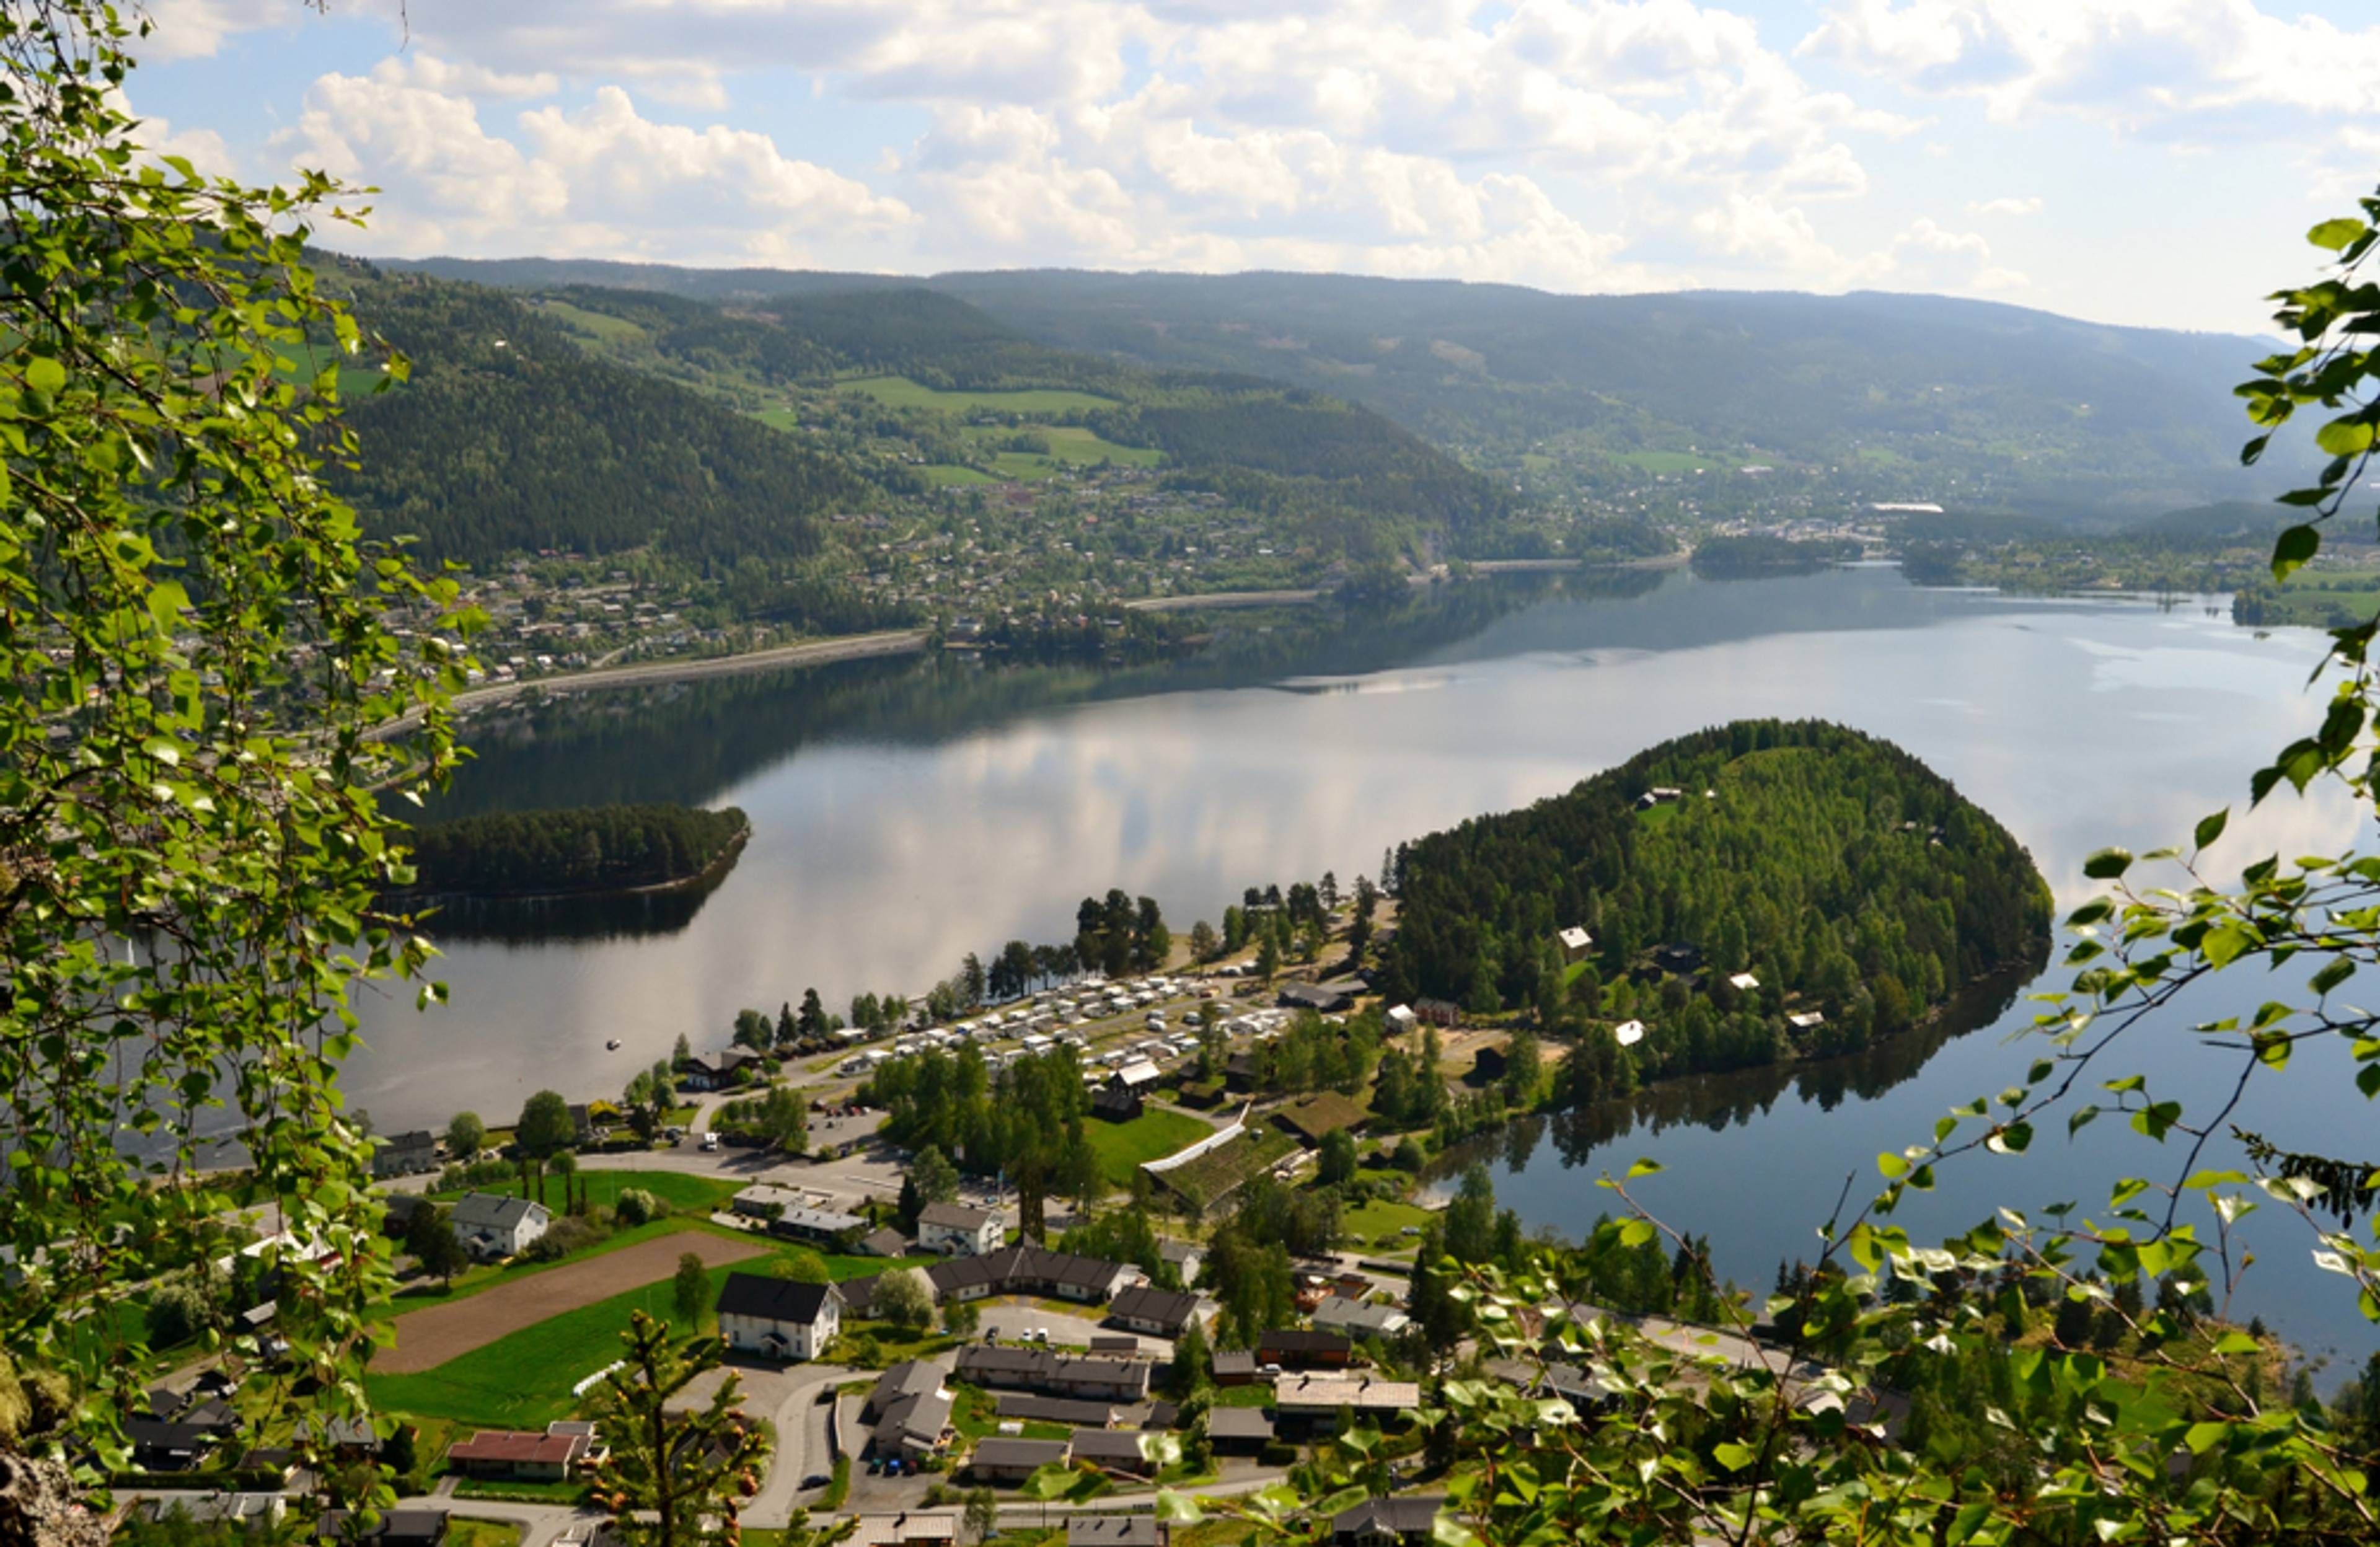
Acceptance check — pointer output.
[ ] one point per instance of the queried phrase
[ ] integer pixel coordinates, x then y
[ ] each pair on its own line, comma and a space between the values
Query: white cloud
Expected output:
2187, 67
603, 179
2029, 206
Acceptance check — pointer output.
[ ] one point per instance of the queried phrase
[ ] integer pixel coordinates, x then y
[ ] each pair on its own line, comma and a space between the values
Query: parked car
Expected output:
710, 1141
815, 1480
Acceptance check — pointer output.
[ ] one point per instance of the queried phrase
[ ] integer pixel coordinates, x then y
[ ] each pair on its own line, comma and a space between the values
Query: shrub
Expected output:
637, 1206
566, 1236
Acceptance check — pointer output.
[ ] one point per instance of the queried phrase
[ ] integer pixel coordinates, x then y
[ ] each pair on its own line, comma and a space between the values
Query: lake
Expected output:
905, 814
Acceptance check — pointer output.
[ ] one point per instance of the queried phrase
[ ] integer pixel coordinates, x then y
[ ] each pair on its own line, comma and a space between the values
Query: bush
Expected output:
1277, 1453
636, 1206
566, 1236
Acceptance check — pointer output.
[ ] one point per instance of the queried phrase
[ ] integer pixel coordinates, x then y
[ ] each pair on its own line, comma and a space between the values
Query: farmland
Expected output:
899, 392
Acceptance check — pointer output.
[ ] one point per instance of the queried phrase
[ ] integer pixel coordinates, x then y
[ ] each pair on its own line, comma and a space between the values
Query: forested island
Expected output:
574, 851
1765, 890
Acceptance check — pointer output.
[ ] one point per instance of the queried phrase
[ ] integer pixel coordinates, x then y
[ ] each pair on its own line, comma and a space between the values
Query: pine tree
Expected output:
675, 1476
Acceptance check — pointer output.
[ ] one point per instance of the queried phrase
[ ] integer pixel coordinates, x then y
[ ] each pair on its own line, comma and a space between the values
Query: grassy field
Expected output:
899, 392
945, 475
595, 324
1663, 461
1379, 1226
780, 418
1122, 1146
462, 1531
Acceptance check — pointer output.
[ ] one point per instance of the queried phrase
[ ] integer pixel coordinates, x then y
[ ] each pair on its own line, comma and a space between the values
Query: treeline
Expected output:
1852, 883
1727, 558
507, 438
588, 849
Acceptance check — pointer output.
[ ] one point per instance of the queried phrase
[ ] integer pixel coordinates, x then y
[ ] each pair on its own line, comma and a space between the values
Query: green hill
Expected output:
509, 438
1852, 882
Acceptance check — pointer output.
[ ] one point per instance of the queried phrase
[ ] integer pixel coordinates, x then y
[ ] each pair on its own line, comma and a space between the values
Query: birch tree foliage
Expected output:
195, 640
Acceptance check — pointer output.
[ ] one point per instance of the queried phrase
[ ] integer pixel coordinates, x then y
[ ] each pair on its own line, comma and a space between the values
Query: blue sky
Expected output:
2150, 162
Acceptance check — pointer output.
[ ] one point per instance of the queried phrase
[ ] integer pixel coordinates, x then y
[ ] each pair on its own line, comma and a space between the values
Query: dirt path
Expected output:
428, 1338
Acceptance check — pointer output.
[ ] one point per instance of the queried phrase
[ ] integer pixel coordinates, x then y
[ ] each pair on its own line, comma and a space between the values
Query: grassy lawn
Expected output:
685, 1193
976, 1414
462, 1531
1073, 443
1379, 1226
520, 1493
1255, 1394
1122, 1146
945, 475
612, 330
899, 392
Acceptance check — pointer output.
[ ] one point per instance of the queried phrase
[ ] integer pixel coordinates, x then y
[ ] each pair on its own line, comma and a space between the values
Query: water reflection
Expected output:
595, 917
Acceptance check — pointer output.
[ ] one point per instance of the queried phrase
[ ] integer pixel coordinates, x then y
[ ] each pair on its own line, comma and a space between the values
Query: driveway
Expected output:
1009, 1321
788, 1394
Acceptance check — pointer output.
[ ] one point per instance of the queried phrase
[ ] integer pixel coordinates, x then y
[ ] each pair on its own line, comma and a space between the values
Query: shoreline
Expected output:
718, 864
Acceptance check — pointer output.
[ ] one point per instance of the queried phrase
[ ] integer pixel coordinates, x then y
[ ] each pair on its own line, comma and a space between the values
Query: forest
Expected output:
506, 438
1855, 886
586, 848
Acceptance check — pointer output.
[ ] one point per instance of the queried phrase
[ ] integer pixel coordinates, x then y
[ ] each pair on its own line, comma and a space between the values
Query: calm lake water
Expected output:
905, 814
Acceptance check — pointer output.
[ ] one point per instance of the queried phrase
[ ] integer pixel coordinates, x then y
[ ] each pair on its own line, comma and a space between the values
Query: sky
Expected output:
2141, 162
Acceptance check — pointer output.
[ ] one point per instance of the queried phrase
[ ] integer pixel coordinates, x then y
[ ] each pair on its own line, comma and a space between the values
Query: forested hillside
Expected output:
507, 438
1851, 880
592, 848
1907, 395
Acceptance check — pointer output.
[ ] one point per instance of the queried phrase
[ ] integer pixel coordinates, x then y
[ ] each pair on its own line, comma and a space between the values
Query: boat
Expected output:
611, 1046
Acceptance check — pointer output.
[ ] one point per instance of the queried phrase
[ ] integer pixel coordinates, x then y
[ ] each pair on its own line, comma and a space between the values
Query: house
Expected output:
397, 1528
1320, 1115
494, 1224
777, 1317
1234, 1367
910, 1410
1185, 1258
1115, 1530
1386, 1523
887, 1242
1005, 1460
1116, 1450
1679, 958
910, 1527
1321, 998
523, 1456
1314, 1401
959, 1231
1437, 1012
1575, 943
1041, 1370
767, 1201
1742, 983
1356, 1318
860, 1296
1659, 795
1116, 1103
1242, 1072
1806, 1020
165, 1445
1238, 1430
405, 1154
1029, 1270
1399, 1019
350, 1439
1299, 1348
1140, 1075
830, 1227
716, 1071
246, 1511
1628, 1033
1029, 1408
1160, 1312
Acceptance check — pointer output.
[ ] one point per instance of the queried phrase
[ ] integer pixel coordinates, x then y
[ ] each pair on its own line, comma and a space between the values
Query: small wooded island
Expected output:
1762, 891
574, 851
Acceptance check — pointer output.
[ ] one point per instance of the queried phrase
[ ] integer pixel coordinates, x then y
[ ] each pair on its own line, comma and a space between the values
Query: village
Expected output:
931, 1372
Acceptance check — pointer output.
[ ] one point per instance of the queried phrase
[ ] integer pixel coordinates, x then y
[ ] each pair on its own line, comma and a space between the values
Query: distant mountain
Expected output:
507, 437
1915, 395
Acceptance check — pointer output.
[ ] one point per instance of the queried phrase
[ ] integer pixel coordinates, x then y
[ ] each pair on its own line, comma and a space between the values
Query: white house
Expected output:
1744, 982
957, 1230
497, 1224
777, 1317
1629, 1032
1400, 1018
1575, 943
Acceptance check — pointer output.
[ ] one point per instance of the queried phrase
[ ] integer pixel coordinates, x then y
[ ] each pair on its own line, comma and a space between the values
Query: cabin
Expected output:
1628, 1033
1117, 1104
1399, 1019
1575, 943
1321, 998
959, 1231
1300, 1348
777, 1317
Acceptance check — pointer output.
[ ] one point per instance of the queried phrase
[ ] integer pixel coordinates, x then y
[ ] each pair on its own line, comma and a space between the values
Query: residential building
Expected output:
397, 1528
1054, 1410
1117, 1104
1116, 1450
1300, 1348
1115, 1530
1359, 1320
766, 1201
716, 1071
1042, 1370
495, 1225
1187, 1258
348, 1438
247, 1511
887, 1242
1238, 1430
777, 1317
523, 1456
1399, 1019
1386, 1523
1160, 1312
164, 1445
1575, 943
908, 1410
910, 1527
1029, 1270
1140, 1076
1234, 1367
1321, 998
404, 1154
1006, 1460
959, 1231
1314, 1401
